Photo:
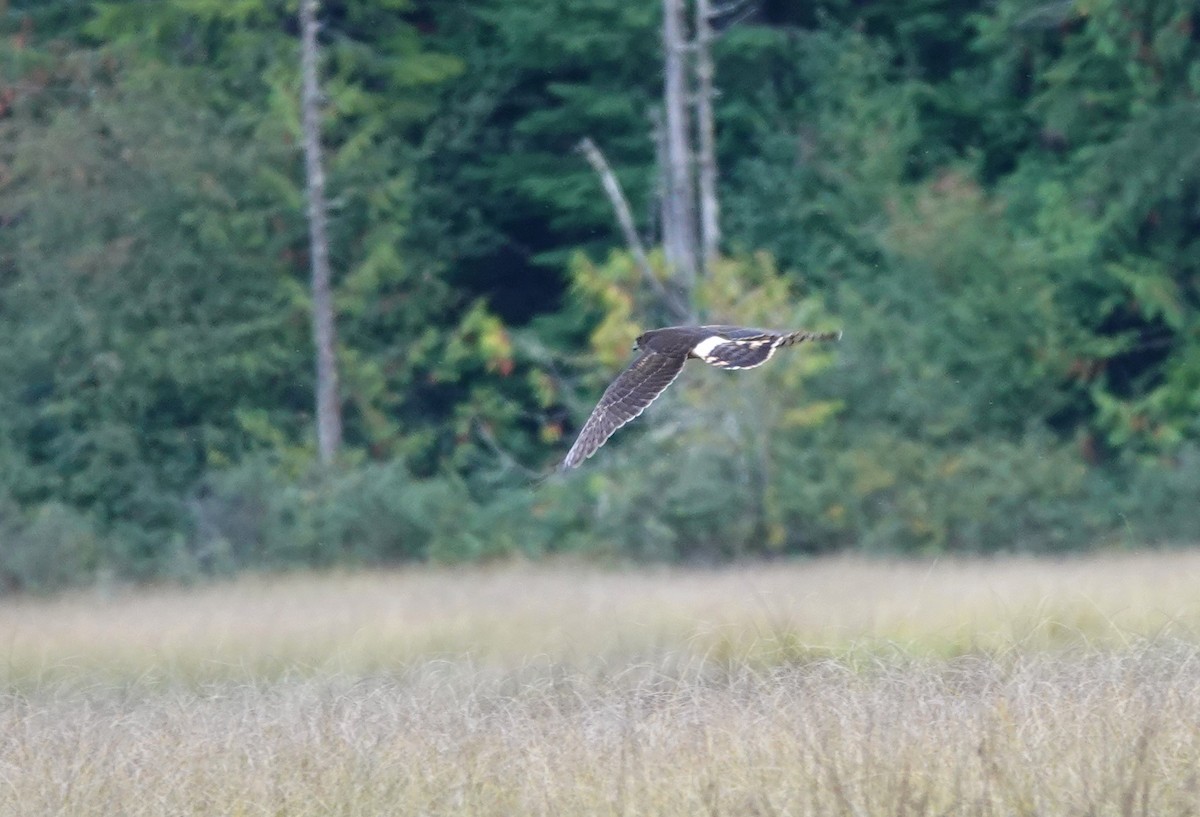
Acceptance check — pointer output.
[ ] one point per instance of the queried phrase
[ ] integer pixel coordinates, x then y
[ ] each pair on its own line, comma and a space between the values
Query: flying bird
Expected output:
661, 355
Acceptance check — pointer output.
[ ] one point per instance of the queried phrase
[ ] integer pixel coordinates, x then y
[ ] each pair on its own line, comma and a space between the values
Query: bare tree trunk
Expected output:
659, 136
620, 205
679, 222
710, 230
329, 411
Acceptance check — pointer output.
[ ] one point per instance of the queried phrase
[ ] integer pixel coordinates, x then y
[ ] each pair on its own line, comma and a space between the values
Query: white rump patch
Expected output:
704, 348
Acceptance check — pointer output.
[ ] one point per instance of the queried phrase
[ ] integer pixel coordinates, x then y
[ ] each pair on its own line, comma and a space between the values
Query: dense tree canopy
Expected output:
1000, 204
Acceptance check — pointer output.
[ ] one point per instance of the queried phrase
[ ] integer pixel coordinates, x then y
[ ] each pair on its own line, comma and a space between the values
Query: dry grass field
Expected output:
831, 687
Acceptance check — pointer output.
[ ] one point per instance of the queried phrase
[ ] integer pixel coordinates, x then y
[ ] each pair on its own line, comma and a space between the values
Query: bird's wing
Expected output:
745, 349
626, 397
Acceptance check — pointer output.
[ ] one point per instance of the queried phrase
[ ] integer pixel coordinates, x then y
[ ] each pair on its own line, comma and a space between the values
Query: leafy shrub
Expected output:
254, 515
1156, 499
47, 547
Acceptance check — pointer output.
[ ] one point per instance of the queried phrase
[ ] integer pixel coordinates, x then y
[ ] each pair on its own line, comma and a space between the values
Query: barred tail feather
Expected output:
803, 335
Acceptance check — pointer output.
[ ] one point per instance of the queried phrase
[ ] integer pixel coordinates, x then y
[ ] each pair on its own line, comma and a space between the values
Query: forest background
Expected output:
999, 203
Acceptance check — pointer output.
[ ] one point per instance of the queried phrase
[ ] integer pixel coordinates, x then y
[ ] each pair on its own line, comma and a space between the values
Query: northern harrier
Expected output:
662, 353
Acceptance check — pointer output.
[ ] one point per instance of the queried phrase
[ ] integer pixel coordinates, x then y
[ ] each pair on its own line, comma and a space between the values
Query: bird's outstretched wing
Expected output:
732, 347
626, 397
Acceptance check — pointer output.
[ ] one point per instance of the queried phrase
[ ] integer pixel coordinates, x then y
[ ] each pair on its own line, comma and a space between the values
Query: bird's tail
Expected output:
803, 335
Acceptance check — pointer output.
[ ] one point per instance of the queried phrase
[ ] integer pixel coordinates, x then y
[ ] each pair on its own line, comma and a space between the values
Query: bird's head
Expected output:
637, 344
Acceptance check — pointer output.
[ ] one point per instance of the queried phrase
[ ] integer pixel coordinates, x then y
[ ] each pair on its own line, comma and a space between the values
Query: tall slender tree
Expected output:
329, 413
687, 147
679, 210
710, 230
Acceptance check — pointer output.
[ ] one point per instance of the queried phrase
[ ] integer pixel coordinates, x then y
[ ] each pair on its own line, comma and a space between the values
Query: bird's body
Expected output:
662, 353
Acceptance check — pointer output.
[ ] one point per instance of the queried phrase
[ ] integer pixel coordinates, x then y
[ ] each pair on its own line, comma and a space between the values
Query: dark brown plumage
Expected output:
661, 355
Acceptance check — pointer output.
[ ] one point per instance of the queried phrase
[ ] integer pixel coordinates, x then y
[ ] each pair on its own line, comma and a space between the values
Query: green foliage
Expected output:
971, 336
500, 190
1113, 91
377, 78
888, 493
833, 134
254, 516
47, 547
130, 351
999, 206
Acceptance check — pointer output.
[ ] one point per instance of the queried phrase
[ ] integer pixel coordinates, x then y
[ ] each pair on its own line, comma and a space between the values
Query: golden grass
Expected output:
258, 628
838, 686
